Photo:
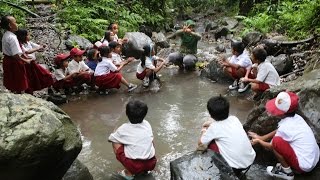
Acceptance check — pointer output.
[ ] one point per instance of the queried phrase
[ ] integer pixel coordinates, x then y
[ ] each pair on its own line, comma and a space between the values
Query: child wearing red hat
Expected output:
293, 143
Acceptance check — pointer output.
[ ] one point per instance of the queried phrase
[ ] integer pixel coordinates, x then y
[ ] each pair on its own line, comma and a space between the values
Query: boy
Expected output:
267, 75
133, 142
189, 40
293, 143
115, 48
237, 66
225, 135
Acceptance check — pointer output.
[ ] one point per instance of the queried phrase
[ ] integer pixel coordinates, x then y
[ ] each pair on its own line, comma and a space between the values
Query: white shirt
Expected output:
104, 67
232, 141
243, 60
148, 64
299, 135
75, 66
116, 58
268, 74
10, 44
60, 73
136, 138
28, 46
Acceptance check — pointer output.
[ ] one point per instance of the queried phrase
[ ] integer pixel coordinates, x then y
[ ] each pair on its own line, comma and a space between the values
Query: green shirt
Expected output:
189, 42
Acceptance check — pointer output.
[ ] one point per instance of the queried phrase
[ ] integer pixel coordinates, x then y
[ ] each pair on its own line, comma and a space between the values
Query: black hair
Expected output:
22, 35
136, 111
113, 44
238, 46
110, 25
260, 54
107, 36
104, 51
5, 21
90, 54
146, 52
218, 108
290, 114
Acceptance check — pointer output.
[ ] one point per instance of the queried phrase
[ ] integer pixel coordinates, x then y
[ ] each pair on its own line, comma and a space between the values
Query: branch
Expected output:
21, 8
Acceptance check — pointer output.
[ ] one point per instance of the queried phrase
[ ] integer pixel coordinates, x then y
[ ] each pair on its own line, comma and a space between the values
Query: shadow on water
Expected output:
176, 114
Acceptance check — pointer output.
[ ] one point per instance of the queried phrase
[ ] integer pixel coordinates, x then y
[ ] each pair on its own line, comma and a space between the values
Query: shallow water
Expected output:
176, 114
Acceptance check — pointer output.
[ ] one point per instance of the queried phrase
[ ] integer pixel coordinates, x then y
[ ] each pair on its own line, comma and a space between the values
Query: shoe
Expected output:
131, 87
243, 87
146, 82
277, 171
126, 177
234, 85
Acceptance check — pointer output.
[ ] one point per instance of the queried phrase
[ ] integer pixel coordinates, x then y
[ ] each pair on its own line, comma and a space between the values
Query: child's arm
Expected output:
19, 58
177, 33
157, 69
35, 48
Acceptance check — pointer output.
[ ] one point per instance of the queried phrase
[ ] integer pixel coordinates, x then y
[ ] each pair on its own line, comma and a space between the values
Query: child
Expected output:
107, 75
92, 58
293, 143
267, 76
226, 135
148, 66
133, 142
108, 37
114, 28
115, 49
237, 66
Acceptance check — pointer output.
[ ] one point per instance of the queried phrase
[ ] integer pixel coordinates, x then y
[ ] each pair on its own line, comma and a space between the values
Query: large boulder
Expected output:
136, 41
77, 171
312, 63
38, 140
215, 72
81, 42
252, 38
160, 40
282, 63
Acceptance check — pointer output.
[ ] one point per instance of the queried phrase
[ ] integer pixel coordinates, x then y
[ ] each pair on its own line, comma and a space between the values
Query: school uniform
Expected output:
14, 73
116, 59
60, 82
105, 75
141, 71
76, 67
267, 75
243, 60
28, 46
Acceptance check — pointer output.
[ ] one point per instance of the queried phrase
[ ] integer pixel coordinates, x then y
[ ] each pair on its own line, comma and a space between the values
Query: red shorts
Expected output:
63, 84
213, 146
285, 150
141, 75
135, 166
108, 81
263, 86
235, 75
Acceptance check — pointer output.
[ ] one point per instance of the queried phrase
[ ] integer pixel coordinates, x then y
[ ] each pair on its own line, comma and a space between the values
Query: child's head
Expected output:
237, 47
284, 105
9, 23
148, 50
92, 54
108, 35
115, 47
77, 54
22, 35
104, 51
218, 108
136, 111
61, 61
114, 28
259, 54
190, 24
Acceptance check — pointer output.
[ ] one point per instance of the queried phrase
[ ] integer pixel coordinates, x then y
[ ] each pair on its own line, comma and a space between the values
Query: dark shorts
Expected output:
263, 86
141, 75
235, 75
135, 166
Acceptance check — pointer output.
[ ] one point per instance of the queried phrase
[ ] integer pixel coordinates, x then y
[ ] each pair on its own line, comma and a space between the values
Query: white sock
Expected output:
287, 170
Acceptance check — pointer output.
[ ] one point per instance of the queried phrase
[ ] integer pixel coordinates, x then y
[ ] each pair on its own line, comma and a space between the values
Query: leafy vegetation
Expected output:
5, 9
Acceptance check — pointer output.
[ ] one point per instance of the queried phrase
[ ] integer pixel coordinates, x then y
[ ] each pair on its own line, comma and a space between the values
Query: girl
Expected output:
15, 77
107, 75
92, 61
148, 66
38, 76
115, 49
114, 28
108, 37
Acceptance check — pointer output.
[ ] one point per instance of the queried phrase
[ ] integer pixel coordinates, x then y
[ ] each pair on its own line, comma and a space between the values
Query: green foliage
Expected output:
17, 13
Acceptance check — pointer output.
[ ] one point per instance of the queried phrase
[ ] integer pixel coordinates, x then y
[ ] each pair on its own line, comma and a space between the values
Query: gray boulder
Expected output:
38, 140
215, 72
77, 171
210, 26
79, 41
252, 38
282, 63
160, 40
221, 32
136, 41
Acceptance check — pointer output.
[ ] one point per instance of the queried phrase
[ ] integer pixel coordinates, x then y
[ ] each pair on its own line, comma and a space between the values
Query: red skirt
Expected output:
38, 77
15, 76
108, 81
63, 84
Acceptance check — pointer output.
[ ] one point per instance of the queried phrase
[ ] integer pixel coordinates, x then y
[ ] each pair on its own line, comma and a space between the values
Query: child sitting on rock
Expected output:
293, 143
225, 134
115, 49
133, 142
148, 67
92, 58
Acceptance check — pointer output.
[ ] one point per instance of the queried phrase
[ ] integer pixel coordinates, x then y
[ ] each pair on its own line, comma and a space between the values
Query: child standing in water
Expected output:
148, 67
133, 142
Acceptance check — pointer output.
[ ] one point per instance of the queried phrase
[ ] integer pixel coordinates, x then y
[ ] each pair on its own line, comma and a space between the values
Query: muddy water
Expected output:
176, 114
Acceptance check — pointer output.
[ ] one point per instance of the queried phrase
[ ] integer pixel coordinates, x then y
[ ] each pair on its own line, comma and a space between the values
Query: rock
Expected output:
222, 31
146, 30
215, 72
230, 22
252, 38
135, 44
313, 63
77, 171
282, 63
160, 40
38, 140
195, 165
221, 48
74, 40
272, 46
211, 26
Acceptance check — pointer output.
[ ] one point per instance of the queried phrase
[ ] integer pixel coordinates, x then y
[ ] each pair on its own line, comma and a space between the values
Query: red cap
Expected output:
60, 58
285, 102
76, 52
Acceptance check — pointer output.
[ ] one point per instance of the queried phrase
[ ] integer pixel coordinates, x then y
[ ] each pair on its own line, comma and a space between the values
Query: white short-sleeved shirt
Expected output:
116, 58
148, 64
136, 138
268, 74
104, 67
75, 66
243, 60
60, 74
232, 141
299, 135
10, 44
28, 46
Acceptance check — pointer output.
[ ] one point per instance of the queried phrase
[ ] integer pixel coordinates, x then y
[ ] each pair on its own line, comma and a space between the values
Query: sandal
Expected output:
126, 177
